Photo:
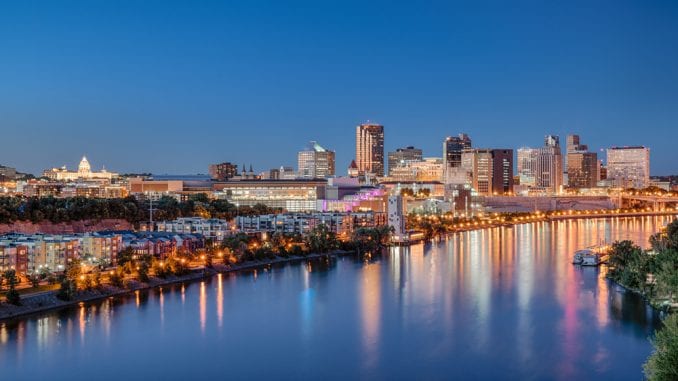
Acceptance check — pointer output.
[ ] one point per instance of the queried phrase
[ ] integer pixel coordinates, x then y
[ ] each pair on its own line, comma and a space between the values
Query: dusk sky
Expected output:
169, 87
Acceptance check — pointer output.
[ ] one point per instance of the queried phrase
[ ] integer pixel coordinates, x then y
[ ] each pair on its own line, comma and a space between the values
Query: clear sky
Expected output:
169, 87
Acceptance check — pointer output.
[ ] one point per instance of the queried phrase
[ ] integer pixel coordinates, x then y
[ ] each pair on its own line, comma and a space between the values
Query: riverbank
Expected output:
528, 219
44, 301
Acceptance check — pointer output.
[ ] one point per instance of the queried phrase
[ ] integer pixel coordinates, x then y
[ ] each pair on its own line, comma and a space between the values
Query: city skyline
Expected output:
92, 79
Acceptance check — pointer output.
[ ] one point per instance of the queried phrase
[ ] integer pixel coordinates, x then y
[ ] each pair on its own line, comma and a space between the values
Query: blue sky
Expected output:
169, 87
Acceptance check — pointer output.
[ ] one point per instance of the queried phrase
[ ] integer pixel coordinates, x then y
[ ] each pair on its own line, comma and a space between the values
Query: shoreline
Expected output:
554, 219
47, 301
41, 302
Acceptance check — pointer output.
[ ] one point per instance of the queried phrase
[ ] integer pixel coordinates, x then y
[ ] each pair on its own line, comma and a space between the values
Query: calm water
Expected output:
500, 303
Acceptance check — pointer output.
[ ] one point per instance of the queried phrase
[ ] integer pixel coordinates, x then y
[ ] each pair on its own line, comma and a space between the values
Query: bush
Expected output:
663, 363
67, 290
13, 297
116, 279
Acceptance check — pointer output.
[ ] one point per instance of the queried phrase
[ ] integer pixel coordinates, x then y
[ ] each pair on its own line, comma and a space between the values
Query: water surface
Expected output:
501, 303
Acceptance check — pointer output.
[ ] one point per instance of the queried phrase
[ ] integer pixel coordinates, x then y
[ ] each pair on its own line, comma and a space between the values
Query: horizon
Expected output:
170, 89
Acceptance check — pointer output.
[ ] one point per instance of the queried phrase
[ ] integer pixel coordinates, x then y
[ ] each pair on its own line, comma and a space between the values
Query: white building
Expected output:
315, 162
396, 217
84, 172
542, 168
291, 223
629, 167
212, 228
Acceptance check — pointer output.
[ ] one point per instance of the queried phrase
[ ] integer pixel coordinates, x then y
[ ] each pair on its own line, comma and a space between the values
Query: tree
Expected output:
663, 363
116, 278
321, 239
69, 281
237, 244
666, 272
12, 295
125, 256
629, 264
370, 240
34, 279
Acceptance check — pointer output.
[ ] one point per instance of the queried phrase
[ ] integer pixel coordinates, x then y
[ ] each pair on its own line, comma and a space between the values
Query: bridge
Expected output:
656, 202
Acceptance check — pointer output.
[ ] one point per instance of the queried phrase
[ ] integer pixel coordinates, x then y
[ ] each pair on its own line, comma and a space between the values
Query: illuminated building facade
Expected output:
290, 195
629, 167
403, 156
490, 170
315, 162
84, 172
369, 149
223, 171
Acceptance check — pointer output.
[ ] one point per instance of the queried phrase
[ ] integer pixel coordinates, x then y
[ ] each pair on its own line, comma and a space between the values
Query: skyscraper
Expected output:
315, 162
527, 166
453, 146
542, 168
549, 166
502, 171
369, 148
452, 149
582, 166
629, 167
582, 169
491, 170
403, 156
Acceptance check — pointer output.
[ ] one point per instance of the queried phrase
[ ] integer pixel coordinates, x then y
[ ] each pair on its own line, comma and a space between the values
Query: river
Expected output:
499, 303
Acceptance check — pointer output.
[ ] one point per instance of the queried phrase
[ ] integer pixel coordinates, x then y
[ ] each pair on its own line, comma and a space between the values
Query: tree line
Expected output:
654, 273
58, 210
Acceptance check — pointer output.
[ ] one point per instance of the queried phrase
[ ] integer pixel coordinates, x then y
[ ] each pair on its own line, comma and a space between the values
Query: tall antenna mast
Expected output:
150, 213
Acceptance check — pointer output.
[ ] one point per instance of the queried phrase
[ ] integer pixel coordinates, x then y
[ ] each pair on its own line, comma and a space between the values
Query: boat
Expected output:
579, 256
592, 256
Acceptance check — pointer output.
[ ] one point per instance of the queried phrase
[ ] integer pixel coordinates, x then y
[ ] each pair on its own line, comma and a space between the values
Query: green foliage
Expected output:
34, 279
69, 281
67, 290
321, 239
57, 210
629, 265
117, 278
125, 256
237, 243
666, 273
663, 363
12, 295
371, 240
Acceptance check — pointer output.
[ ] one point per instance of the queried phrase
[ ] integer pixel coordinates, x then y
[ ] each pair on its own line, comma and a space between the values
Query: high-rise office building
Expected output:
542, 168
403, 156
582, 169
502, 171
315, 162
549, 166
629, 167
527, 166
369, 148
582, 166
490, 170
223, 171
453, 146
574, 145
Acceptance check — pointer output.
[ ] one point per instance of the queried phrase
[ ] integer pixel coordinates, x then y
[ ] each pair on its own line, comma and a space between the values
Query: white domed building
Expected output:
84, 172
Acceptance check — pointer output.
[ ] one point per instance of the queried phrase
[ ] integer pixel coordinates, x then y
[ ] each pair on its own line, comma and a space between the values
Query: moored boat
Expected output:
591, 256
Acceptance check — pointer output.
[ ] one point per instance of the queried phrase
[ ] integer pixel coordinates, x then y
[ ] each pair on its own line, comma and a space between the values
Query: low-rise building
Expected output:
211, 228
290, 195
294, 223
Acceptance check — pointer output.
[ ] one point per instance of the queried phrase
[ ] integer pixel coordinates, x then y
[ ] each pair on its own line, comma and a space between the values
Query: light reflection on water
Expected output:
489, 304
